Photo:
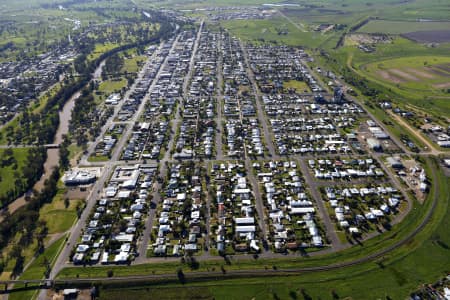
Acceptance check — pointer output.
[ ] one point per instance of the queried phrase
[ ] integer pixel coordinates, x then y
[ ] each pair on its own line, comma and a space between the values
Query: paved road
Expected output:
219, 103
272, 272
336, 244
97, 188
84, 160
145, 238
158, 187
259, 109
260, 208
63, 258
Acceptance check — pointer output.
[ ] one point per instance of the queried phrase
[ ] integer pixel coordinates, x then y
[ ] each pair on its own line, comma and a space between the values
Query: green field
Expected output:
426, 93
99, 158
274, 30
298, 86
109, 87
418, 74
426, 78
132, 64
100, 49
57, 216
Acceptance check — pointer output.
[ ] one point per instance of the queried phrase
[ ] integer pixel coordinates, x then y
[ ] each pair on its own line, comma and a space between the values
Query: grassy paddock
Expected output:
407, 57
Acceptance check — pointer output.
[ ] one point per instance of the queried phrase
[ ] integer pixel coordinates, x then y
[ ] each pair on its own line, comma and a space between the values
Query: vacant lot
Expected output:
298, 86
364, 38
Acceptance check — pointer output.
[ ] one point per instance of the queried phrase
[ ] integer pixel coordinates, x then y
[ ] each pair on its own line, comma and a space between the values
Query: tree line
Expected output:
30, 172
25, 222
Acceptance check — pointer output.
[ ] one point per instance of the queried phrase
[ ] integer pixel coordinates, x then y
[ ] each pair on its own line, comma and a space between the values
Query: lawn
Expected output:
132, 64
100, 49
298, 86
98, 158
109, 87
74, 151
112, 86
59, 218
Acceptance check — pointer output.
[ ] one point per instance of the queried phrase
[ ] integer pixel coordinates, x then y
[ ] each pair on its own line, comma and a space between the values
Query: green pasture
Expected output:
58, 217
425, 93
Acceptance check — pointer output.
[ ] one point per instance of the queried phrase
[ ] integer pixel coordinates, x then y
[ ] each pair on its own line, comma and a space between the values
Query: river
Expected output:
52, 161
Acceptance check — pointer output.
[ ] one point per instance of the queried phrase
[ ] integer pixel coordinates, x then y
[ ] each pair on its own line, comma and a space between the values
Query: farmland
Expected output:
436, 36
400, 27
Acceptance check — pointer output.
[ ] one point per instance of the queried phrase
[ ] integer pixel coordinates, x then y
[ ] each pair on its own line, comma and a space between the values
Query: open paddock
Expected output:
427, 75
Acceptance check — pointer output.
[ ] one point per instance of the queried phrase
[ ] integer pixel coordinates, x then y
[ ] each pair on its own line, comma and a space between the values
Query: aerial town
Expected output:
173, 147
215, 156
